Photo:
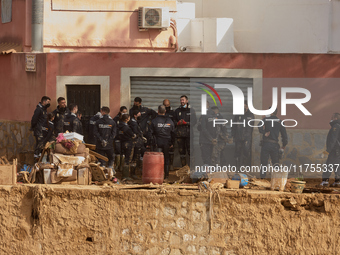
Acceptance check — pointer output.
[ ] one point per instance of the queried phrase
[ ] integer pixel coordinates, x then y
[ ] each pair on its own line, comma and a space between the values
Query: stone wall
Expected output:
41, 219
15, 138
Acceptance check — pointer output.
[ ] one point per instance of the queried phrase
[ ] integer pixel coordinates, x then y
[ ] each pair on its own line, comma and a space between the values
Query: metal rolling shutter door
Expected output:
153, 90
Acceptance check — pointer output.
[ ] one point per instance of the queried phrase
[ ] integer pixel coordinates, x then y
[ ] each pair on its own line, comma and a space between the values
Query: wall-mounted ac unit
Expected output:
153, 17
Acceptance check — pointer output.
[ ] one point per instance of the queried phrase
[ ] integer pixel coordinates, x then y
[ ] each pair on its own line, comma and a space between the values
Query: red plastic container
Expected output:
153, 167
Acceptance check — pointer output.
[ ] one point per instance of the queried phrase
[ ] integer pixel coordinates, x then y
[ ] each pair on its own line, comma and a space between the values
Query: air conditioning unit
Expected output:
153, 17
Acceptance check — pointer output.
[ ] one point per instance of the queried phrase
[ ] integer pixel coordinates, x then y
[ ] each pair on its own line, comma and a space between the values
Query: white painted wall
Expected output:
203, 34
284, 26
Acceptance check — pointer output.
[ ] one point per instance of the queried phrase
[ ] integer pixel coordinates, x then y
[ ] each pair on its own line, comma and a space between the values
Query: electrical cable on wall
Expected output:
151, 41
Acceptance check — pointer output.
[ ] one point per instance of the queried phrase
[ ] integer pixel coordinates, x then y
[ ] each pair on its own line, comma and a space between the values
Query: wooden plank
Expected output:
90, 146
99, 156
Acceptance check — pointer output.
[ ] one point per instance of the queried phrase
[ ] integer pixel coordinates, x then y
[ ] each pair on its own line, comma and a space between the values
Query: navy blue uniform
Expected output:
333, 148
39, 118
163, 130
92, 123
183, 130
146, 115
270, 145
59, 118
72, 124
242, 135
138, 142
126, 137
48, 132
105, 132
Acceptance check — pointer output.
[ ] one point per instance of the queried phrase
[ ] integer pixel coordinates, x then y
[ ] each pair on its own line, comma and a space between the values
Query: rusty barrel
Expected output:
153, 167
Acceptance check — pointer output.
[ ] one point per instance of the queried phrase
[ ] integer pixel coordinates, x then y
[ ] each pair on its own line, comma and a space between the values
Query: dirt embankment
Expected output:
39, 219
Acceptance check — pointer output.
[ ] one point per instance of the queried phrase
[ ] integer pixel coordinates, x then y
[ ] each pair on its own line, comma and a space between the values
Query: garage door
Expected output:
153, 90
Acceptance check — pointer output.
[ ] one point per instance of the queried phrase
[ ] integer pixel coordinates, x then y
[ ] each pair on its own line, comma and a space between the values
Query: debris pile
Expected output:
66, 161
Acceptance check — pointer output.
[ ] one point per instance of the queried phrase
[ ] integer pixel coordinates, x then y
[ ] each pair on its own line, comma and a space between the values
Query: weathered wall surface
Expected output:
15, 138
93, 220
19, 29
322, 104
21, 91
102, 26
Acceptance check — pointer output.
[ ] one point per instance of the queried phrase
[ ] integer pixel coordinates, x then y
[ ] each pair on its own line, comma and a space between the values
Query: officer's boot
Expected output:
126, 173
133, 171
171, 163
183, 161
122, 163
166, 172
117, 162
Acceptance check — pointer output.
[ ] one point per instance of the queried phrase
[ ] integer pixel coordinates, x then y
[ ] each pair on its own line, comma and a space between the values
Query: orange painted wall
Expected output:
19, 30
325, 98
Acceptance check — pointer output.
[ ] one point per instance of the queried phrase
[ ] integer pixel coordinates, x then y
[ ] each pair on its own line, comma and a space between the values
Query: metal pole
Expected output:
37, 25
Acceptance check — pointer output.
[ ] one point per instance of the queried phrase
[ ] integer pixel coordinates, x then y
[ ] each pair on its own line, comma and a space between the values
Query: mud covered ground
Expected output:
56, 219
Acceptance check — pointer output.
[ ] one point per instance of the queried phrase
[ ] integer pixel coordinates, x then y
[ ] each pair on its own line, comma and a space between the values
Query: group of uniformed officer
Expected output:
128, 135
124, 139
213, 139
140, 129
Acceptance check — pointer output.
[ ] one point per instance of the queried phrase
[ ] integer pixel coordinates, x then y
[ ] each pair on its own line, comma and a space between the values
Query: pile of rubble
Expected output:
67, 161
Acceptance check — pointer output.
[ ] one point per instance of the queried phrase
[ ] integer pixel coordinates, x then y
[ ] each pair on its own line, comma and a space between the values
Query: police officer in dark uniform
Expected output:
333, 148
38, 120
126, 137
212, 139
105, 132
119, 158
138, 144
146, 115
72, 123
207, 135
171, 114
122, 110
92, 124
270, 141
242, 135
162, 129
185, 120
59, 116
48, 129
